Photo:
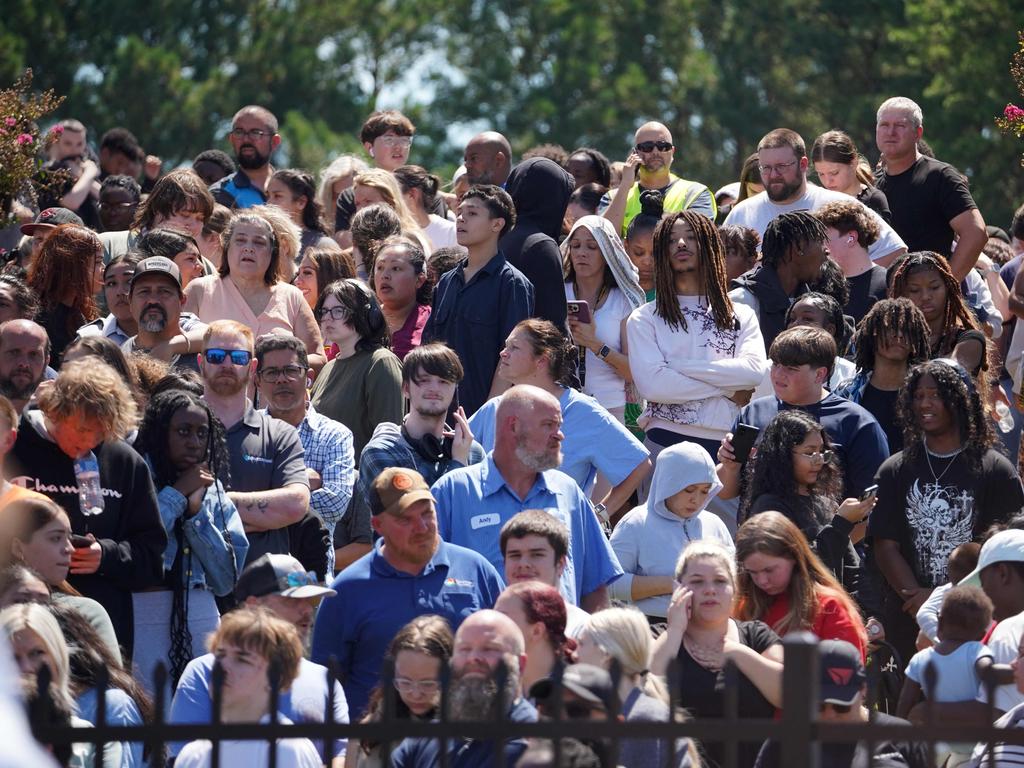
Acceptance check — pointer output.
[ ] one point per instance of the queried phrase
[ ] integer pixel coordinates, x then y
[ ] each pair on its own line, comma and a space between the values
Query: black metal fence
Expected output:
798, 730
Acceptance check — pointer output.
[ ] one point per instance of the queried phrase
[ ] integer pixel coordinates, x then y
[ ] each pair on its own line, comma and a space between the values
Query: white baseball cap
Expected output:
1004, 547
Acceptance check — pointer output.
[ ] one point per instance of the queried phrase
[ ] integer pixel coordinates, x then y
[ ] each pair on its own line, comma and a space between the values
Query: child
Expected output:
962, 561
959, 658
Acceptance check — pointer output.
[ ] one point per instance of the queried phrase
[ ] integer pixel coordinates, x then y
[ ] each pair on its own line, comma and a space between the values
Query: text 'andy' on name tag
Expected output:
482, 521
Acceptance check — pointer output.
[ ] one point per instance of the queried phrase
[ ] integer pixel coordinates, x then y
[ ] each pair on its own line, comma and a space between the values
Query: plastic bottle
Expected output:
87, 476
1005, 417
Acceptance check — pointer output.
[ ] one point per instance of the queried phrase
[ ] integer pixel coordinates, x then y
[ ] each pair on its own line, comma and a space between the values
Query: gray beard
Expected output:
538, 462
153, 325
472, 699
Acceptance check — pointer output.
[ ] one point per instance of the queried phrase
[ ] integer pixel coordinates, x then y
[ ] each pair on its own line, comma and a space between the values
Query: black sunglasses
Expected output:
650, 146
238, 356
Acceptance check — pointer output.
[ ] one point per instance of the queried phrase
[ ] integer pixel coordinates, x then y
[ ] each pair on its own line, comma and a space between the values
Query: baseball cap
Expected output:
396, 489
587, 682
1004, 547
273, 574
49, 219
157, 265
842, 672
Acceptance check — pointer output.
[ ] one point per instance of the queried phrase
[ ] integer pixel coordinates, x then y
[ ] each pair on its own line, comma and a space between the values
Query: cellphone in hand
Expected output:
578, 310
870, 492
80, 542
743, 440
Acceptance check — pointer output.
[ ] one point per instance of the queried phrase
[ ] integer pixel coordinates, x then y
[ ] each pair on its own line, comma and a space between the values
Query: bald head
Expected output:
262, 114
523, 398
26, 351
496, 627
488, 159
653, 131
528, 430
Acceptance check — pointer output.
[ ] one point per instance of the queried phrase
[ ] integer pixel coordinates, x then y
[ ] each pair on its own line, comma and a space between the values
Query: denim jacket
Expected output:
216, 563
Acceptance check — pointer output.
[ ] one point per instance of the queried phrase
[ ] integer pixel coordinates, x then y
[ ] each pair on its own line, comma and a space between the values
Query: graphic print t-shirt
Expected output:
929, 518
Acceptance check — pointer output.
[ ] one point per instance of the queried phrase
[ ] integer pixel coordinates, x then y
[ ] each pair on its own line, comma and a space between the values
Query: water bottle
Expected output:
90, 494
1005, 417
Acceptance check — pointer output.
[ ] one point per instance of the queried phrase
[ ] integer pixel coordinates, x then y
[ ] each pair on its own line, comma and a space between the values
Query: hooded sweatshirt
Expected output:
540, 189
649, 539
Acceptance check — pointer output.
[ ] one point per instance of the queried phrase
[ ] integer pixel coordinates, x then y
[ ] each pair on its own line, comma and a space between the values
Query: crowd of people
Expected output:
561, 435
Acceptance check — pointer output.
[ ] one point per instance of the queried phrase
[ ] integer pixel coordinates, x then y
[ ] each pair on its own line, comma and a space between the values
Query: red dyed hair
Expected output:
63, 272
543, 603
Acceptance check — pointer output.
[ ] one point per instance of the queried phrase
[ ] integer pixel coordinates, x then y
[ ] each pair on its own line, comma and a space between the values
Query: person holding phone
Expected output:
601, 289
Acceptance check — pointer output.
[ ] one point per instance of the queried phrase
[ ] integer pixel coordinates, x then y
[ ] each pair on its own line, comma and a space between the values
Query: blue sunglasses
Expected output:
238, 356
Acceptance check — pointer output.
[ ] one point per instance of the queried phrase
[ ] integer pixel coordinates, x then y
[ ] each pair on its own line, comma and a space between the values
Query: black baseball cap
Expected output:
274, 574
49, 219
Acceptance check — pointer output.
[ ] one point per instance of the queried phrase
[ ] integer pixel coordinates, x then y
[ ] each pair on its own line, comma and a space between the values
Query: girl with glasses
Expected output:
794, 471
420, 651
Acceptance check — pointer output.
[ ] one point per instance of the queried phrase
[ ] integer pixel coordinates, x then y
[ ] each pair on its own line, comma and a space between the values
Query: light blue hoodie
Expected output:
649, 538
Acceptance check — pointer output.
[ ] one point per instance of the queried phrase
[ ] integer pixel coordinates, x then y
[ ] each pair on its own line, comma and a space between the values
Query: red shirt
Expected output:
831, 622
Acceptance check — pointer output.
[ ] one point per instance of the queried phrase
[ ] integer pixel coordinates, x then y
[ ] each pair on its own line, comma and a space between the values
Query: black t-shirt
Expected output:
875, 199
866, 290
881, 404
924, 199
942, 349
930, 518
702, 691
885, 754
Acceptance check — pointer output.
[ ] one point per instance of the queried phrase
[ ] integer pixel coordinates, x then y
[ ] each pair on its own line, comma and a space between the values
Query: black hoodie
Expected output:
540, 189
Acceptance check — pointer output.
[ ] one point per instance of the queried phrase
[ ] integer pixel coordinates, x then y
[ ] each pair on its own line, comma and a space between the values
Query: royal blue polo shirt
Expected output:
375, 600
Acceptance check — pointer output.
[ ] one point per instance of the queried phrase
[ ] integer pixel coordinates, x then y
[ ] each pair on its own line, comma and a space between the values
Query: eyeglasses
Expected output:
252, 133
287, 373
396, 141
650, 146
823, 456
778, 168
335, 313
238, 356
427, 687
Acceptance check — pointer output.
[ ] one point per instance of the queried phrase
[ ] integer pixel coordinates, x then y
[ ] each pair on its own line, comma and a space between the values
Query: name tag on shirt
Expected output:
483, 521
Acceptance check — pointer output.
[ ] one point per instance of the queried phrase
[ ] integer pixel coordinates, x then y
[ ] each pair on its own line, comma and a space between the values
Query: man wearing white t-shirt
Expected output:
782, 159
535, 546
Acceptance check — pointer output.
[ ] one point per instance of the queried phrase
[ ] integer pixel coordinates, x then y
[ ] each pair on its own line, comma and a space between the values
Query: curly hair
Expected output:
370, 227
770, 470
545, 339
965, 407
24, 298
64, 269
710, 271
892, 318
110, 352
92, 389
775, 535
155, 432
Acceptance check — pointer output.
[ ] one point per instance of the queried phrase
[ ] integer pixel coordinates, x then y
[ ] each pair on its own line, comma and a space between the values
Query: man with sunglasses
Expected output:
281, 370
842, 693
647, 167
280, 584
269, 485
254, 138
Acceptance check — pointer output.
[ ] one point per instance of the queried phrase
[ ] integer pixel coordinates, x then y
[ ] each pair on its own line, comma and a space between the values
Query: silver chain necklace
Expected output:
951, 456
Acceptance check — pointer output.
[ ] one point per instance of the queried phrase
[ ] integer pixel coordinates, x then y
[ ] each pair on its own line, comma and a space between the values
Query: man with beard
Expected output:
647, 167
268, 481
24, 350
156, 299
254, 138
409, 573
782, 158
281, 369
475, 502
488, 159
485, 641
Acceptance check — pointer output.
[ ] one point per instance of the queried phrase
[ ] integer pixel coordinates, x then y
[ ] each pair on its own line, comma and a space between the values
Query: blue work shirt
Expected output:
475, 318
594, 439
237, 191
375, 600
473, 503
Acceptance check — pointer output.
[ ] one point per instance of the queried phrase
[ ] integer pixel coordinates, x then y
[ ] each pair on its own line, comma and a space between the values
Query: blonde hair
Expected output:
625, 635
36, 618
92, 389
387, 185
706, 550
340, 167
288, 234
263, 633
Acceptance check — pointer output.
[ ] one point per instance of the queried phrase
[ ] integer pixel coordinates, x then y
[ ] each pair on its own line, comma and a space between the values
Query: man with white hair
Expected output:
930, 201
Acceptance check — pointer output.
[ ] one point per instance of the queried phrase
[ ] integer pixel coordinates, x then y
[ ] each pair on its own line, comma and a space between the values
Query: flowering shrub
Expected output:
21, 158
1012, 120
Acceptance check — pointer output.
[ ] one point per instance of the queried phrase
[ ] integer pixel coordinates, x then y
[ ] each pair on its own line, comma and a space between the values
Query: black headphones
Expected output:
428, 447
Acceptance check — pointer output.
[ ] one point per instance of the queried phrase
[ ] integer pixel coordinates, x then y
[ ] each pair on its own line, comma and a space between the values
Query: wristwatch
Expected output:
604, 351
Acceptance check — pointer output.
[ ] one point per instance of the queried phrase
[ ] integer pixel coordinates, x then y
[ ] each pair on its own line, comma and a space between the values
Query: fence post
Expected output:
800, 693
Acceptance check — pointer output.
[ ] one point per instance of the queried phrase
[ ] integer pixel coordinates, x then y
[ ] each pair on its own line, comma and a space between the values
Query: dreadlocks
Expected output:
790, 230
963, 403
958, 314
155, 430
891, 319
710, 271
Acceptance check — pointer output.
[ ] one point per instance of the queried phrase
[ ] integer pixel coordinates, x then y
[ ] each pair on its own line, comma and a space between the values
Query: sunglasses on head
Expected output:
650, 146
238, 356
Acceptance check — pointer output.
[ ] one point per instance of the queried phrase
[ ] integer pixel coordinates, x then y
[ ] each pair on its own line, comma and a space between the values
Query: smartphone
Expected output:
80, 542
870, 492
743, 440
578, 310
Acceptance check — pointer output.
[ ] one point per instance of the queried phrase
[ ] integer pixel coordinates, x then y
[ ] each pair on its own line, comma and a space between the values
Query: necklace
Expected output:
952, 456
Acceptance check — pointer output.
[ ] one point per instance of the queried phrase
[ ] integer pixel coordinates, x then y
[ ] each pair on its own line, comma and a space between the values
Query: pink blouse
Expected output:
219, 299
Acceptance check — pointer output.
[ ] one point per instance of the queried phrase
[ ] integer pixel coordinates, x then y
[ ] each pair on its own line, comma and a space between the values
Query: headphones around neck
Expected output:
429, 447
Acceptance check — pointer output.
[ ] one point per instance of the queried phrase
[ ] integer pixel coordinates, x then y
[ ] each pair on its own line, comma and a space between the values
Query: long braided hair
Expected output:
888, 319
958, 315
152, 442
710, 271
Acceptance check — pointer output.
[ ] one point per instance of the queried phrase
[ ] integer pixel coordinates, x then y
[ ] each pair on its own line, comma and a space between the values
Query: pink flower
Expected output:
24, 138
1013, 112
10, 122
57, 130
